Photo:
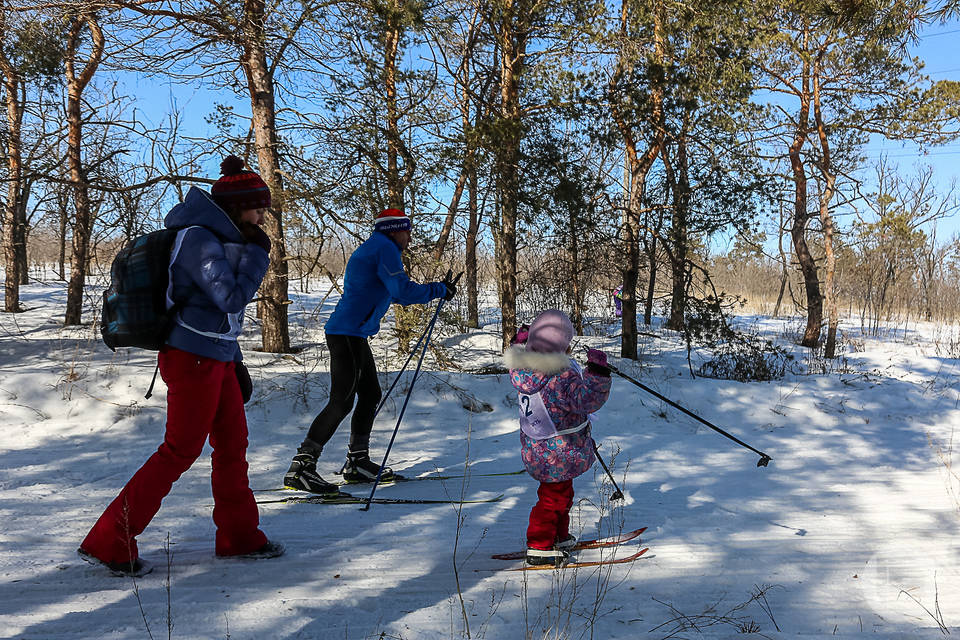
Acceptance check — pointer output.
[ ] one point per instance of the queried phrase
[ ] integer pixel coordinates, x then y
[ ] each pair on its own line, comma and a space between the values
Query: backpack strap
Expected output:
173, 307
174, 252
153, 380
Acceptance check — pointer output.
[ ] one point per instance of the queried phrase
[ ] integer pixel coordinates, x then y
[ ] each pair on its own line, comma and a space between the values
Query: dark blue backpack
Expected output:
135, 310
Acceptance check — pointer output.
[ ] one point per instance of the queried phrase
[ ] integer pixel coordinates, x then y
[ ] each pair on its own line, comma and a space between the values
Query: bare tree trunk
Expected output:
474, 112
62, 258
575, 287
783, 264
274, 300
397, 178
826, 220
396, 185
470, 264
811, 335
640, 165
629, 339
83, 222
630, 270
511, 39
680, 186
808, 268
678, 290
652, 271
14, 208
630, 233
444, 237
506, 246
21, 237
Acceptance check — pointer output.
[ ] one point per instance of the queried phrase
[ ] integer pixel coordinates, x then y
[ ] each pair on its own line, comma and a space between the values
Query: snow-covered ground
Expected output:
853, 528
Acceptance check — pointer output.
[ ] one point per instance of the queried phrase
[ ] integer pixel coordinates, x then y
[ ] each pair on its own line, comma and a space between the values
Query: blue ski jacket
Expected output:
214, 273
374, 279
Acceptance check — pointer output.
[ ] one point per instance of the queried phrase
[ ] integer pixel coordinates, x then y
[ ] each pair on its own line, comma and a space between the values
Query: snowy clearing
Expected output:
853, 528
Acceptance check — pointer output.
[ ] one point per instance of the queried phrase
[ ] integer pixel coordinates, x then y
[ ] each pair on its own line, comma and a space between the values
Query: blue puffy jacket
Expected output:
374, 278
214, 273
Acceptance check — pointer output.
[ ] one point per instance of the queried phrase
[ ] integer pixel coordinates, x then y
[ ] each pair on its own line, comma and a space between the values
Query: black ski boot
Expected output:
302, 475
359, 468
566, 544
549, 557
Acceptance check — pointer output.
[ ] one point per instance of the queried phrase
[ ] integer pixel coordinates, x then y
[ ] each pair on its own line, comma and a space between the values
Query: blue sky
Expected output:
936, 46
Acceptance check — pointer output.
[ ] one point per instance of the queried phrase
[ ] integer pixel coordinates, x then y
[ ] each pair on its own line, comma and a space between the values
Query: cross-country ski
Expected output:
598, 543
398, 479
579, 564
346, 498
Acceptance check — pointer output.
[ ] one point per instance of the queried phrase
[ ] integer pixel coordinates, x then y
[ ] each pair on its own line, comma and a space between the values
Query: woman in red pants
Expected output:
556, 399
217, 262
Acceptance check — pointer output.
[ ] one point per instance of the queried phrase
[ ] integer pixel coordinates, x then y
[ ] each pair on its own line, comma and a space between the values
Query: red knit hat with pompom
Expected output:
238, 188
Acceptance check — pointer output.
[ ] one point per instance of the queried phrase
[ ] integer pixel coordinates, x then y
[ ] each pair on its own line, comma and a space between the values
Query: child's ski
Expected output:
398, 479
581, 544
346, 498
587, 563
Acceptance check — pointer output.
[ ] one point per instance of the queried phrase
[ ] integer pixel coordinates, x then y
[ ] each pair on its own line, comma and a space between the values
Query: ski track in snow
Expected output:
853, 528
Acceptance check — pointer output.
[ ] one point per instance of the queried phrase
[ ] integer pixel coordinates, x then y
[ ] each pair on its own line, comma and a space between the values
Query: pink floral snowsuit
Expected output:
555, 453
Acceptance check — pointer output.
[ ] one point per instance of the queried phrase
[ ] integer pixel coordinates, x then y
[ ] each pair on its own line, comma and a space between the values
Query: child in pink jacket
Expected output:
556, 397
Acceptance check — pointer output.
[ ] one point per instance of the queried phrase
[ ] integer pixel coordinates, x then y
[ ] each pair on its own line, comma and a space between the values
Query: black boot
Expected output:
359, 468
302, 475
567, 543
549, 557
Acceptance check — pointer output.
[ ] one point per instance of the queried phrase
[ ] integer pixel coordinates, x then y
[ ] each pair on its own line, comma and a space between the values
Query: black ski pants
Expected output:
353, 376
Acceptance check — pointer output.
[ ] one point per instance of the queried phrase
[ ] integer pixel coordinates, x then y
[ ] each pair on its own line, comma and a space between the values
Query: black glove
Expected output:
243, 378
451, 284
253, 233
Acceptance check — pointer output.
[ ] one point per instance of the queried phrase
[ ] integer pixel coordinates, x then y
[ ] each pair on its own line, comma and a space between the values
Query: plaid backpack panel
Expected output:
135, 310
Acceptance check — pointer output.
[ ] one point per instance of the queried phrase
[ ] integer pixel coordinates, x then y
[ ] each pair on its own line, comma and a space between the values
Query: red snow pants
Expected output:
550, 517
203, 399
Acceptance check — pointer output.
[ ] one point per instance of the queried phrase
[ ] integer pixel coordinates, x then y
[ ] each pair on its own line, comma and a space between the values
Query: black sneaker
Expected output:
302, 476
268, 550
548, 557
136, 569
360, 468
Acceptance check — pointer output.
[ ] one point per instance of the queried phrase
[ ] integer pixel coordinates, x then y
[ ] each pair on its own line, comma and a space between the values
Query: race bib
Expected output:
534, 419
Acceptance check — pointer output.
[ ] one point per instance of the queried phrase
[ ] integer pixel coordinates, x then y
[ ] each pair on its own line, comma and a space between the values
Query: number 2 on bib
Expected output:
525, 405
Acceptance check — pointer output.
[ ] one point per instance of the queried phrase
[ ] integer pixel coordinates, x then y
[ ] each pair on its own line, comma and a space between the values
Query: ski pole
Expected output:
423, 352
764, 458
616, 495
396, 379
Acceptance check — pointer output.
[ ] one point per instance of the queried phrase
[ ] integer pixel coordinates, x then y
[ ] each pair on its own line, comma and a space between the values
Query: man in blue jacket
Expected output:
374, 279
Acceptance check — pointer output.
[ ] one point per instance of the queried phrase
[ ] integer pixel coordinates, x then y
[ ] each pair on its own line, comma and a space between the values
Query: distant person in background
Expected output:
556, 398
217, 263
374, 279
618, 301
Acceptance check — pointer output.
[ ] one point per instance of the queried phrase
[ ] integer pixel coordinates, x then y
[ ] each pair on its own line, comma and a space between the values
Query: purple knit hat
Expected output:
550, 332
